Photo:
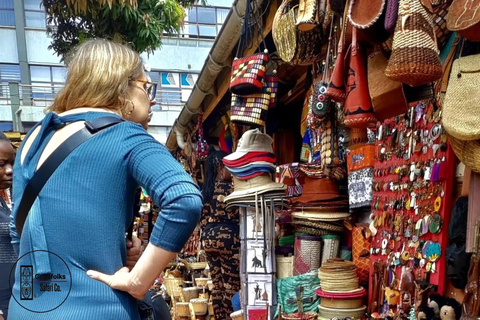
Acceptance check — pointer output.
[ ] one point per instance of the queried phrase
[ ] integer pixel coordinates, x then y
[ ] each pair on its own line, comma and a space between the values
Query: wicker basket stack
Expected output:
341, 296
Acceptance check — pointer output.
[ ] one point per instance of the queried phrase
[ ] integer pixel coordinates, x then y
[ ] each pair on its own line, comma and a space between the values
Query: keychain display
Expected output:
413, 178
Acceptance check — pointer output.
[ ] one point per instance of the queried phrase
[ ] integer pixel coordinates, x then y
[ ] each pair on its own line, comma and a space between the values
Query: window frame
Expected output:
8, 9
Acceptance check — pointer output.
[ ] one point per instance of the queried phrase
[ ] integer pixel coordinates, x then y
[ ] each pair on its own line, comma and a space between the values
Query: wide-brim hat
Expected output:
250, 202
467, 151
252, 165
321, 216
364, 13
251, 141
318, 190
255, 186
319, 225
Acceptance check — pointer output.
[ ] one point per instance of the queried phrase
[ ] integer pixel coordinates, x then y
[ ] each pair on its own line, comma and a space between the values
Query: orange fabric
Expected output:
361, 253
360, 158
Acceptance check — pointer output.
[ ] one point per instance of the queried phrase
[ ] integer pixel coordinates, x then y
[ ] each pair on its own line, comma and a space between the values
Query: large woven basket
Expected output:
200, 306
190, 293
285, 267
467, 151
174, 286
414, 59
182, 309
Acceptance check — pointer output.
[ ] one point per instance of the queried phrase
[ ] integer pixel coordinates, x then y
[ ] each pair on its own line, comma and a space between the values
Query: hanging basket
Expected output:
200, 306
183, 309
174, 286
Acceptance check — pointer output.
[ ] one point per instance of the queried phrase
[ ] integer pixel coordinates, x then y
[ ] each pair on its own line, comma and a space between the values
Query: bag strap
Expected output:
41, 176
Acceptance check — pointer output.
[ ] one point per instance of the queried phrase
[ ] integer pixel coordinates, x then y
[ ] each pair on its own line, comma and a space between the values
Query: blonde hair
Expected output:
98, 76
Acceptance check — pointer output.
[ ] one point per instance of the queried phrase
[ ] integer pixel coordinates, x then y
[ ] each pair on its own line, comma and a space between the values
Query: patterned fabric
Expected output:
221, 243
360, 158
214, 211
440, 24
360, 188
271, 88
222, 246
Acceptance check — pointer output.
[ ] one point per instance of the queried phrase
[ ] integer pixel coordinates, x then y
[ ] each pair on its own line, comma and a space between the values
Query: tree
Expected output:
140, 23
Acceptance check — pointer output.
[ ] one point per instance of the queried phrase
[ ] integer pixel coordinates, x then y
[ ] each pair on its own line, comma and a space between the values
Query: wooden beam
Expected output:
222, 89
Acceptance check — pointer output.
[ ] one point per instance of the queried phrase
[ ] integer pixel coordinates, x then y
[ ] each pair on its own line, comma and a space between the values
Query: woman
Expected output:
220, 235
84, 209
8, 256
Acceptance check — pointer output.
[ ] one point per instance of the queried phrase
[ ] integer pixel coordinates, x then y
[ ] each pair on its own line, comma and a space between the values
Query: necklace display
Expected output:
413, 177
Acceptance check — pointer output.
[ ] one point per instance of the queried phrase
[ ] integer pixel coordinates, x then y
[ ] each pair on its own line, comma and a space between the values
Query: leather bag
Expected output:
471, 302
358, 106
369, 16
309, 15
463, 17
388, 98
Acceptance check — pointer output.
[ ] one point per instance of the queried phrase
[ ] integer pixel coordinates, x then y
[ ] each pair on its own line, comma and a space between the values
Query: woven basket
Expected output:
174, 286
308, 250
183, 309
285, 267
331, 247
414, 60
342, 300
200, 306
295, 316
190, 293
237, 315
329, 313
201, 282
467, 151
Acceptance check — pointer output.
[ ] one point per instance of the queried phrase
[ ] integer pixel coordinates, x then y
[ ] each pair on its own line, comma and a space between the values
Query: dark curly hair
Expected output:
214, 163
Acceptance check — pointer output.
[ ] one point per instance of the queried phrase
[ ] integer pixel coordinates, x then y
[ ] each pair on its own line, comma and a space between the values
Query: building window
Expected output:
8, 73
46, 80
34, 14
203, 22
7, 15
172, 87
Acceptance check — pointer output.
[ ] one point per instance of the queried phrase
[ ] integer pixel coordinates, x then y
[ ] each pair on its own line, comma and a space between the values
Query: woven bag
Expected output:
460, 115
361, 252
308, 250
250, 110
271, 87
284, 33
414, 60
391, 15
308, 15
248, 73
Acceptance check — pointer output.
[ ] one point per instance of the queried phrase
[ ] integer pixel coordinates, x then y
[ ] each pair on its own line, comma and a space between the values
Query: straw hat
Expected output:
318, 225
467, 151
257, 185
321, 216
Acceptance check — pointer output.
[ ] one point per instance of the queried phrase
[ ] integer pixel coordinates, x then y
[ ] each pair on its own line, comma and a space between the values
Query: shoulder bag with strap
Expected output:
41, 176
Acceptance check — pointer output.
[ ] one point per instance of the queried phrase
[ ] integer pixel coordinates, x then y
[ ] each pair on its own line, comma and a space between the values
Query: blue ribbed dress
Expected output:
84, 210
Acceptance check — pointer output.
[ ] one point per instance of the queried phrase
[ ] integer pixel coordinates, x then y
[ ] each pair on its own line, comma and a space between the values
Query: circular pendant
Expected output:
438, 204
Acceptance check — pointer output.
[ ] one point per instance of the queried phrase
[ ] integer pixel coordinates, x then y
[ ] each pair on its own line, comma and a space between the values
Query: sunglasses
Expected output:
149, 87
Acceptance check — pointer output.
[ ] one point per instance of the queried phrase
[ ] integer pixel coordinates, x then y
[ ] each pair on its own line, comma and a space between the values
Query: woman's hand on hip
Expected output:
122, 280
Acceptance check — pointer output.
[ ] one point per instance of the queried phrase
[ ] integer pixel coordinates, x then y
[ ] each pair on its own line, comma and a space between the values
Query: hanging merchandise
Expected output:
336, 87
361, 251
338, 6
250, 110
442, 33
360, 176
413, 179
294, 45
248, 73
414, 60
369, 16
310, 14
463, 17
201, 151
388, 97
284, 33
271, 87
391, 15
358, 106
